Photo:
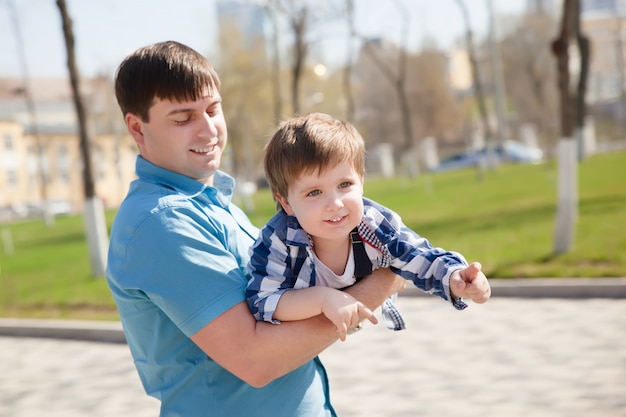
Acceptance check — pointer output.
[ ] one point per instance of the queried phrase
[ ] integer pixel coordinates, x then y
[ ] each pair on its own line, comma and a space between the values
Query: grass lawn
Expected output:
505, 221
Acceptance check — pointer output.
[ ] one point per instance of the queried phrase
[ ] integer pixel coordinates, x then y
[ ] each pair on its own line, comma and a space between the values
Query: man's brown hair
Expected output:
166, 70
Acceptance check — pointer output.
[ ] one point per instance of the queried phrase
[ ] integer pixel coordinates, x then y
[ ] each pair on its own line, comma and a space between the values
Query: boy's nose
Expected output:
334, 202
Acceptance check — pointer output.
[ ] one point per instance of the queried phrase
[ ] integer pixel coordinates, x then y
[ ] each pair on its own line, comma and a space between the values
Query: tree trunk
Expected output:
478, 88
581, 107
567, 195
276, 91
347, 72
399, 82
498, 83
93, 211
298, 24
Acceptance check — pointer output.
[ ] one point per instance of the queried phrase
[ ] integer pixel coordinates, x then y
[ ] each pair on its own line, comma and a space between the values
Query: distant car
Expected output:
13, 212
56, 207
59, 207
509, 151
514, 151
459, 161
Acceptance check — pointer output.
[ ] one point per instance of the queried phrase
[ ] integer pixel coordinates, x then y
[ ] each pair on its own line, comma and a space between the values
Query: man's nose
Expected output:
208, 125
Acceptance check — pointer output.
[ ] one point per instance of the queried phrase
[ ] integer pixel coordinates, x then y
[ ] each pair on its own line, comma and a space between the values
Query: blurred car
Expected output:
509, 151
56, 207
13, 212
60, 207
514, 151
459, 161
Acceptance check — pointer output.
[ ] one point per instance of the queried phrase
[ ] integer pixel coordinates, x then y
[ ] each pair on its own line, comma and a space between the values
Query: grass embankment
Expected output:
505, 221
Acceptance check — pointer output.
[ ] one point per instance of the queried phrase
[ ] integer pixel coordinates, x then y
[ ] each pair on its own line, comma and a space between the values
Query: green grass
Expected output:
505, 221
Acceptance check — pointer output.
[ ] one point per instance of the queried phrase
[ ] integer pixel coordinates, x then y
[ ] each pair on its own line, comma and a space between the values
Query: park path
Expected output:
514, 357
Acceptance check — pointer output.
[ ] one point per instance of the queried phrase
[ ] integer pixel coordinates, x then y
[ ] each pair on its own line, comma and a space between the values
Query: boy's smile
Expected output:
327, 205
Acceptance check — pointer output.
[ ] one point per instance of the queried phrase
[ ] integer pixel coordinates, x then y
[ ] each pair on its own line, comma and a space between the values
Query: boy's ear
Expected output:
135, 127
284, 203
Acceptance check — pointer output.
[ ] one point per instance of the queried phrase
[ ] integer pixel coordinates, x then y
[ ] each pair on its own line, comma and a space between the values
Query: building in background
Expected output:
40, 152
247, 16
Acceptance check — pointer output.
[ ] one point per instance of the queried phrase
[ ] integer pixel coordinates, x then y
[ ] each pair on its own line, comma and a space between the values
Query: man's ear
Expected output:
284, 203
135, 127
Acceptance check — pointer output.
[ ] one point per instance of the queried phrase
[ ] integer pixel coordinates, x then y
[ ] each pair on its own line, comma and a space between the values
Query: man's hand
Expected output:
471, 283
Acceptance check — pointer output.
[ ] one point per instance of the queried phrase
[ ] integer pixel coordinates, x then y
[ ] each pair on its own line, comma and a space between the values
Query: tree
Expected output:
476, 81
434, 110
245, 93
275, 68
397, 78
531, 78
572, 107
347, 72
298, 19
32, 113
95, 224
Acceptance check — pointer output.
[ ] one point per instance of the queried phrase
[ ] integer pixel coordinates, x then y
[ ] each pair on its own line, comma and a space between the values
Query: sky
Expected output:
107, 30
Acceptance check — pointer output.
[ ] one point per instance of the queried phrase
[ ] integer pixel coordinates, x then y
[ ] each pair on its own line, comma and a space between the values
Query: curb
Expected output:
111, 332
550, 288
85, 330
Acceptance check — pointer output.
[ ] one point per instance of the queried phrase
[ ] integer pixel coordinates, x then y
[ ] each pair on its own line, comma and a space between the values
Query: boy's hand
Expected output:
471, 283
345, 312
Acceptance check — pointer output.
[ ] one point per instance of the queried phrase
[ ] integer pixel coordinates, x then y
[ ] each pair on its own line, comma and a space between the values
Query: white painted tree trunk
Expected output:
567, 194
97, 235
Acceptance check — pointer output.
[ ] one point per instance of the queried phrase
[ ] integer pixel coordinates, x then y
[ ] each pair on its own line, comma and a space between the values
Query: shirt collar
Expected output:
221, 192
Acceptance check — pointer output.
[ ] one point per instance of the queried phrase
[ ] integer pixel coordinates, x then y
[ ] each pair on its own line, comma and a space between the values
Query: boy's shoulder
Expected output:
370, 205
380, 219
284, 226
277, 221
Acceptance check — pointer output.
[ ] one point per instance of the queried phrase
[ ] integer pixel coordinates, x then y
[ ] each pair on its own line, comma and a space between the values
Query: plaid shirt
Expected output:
281, 259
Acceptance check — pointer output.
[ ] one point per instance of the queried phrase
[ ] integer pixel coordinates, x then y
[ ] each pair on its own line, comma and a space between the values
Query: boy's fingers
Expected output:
366, 313
343, 331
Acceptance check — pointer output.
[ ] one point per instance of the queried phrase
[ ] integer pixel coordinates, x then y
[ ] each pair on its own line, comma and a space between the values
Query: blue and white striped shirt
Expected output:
282, 258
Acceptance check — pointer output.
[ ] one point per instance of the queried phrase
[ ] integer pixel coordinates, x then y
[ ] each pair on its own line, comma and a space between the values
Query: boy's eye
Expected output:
345, 184
313, 193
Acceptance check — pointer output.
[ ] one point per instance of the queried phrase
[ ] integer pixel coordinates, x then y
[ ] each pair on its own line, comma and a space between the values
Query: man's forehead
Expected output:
203, 101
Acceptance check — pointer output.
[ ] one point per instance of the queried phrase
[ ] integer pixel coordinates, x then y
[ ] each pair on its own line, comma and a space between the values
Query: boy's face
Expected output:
327, 206
185, 137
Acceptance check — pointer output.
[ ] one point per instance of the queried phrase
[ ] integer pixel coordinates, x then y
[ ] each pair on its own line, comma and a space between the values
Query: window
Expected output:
8, 142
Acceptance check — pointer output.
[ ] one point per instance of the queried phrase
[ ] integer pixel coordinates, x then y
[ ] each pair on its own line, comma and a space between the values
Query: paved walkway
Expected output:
513, 357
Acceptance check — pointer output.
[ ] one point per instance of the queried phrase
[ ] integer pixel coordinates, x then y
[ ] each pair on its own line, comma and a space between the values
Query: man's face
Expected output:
185, 137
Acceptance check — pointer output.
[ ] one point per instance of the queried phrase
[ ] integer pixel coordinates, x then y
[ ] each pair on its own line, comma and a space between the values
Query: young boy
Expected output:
326, 235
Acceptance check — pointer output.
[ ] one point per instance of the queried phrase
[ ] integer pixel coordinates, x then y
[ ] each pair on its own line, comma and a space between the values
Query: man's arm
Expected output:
259, 352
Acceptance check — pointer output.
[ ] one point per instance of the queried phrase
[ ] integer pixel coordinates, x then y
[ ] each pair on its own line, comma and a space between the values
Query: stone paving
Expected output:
510, 357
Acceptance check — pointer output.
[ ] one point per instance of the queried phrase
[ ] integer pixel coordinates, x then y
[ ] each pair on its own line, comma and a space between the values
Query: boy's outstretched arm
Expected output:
343, 310
470, 282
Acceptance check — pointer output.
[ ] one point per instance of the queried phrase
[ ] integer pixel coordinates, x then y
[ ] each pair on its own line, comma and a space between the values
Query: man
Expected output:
178, 253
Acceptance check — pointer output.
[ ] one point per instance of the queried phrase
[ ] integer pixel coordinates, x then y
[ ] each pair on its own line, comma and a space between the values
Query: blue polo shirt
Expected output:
177, 260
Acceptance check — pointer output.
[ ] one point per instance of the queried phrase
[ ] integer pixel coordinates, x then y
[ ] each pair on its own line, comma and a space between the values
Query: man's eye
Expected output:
213, 111
182, 122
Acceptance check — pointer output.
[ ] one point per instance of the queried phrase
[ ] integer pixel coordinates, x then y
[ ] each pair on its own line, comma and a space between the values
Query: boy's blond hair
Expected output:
308, 143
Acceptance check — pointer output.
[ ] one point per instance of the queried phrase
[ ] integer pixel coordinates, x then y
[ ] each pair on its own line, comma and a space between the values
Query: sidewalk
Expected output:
513, 357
